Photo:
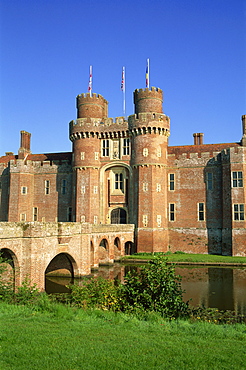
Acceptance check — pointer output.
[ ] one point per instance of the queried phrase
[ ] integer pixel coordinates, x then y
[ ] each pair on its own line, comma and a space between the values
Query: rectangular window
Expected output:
96, 156
158, 188
209, 181
238, 212
118, 183
82, 189
105, 148
24, 190
126, 146
145, 152
95, 189
82, 155
171, 181
201, 211
64, 187
95, 220
35, 214
237, 179
47, 186
158, 220
171, 212
82, 218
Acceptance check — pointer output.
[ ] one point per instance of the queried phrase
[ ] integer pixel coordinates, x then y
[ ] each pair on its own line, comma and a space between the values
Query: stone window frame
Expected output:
158, 187
158, 220
145, 152
238, 212
145, 186
96, 156
171, 181
47, 187
126, 146
63, 186
82, 189
95, 189
82, 156
35, 213
237, 179
24, 190
105, 146
159, 153
95, 220
201, 211
210, 180
118, 179
172, 212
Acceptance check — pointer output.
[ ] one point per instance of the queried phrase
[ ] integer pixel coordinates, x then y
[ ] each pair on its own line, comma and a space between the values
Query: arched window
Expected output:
118, 216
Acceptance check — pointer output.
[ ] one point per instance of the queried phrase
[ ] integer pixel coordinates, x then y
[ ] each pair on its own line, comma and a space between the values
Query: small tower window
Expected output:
24, 190
238, 212
126, 146
171, 181
158, 220
35, 214
237, 179
171, 212
105, 147
96, 156
82, 156
119, 182
145, 152
95, 189
201, 211
64, 187
145, 220
47, 187
159, 152
82, 189
158, 187
145, 186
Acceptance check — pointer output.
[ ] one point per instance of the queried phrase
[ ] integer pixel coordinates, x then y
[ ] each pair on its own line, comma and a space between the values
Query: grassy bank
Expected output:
66, 338
190, 258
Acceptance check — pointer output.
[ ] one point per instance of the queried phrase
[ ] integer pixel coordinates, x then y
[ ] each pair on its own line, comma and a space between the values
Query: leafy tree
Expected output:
157, 288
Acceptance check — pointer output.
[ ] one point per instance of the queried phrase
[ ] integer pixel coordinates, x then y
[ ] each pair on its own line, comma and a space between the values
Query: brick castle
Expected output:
189, 198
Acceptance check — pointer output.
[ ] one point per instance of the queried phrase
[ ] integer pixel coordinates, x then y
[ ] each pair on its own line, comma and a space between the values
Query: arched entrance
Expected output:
129, 248
103, 251
59, 273
118, 216
11, 268
117, 248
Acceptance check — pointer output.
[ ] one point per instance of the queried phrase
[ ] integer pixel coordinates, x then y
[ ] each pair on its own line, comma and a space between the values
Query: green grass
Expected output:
68, 339
189, 257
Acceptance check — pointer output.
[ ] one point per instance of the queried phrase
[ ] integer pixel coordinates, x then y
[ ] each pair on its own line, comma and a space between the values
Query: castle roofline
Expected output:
40, 157
201, 148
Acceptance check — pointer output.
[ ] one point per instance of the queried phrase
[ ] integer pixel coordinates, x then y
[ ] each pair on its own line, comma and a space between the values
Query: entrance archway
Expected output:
118, 216
129, 248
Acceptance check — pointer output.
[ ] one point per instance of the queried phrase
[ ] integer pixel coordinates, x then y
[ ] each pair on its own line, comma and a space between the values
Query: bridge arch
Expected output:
62, 264
12, 266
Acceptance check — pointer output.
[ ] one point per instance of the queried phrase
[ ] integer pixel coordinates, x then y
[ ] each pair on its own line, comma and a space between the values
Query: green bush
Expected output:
96, 293
156, 288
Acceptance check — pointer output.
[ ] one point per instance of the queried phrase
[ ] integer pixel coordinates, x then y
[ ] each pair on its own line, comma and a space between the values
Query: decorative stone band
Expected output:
149, 130
149, 164
100, 135
85, 168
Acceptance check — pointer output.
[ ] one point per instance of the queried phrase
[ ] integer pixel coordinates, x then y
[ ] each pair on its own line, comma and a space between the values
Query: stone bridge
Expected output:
35, 249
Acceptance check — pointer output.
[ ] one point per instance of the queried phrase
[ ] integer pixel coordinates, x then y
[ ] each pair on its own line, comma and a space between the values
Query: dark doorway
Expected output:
118, 216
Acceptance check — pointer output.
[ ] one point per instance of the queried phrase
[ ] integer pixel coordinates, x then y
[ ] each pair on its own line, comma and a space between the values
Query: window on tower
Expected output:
105, 147
126, 146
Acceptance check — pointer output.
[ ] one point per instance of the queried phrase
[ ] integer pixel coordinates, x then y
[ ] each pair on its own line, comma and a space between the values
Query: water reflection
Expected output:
217, 287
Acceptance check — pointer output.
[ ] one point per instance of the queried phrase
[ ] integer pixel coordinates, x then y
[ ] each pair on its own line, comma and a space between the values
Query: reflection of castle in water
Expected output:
217, 287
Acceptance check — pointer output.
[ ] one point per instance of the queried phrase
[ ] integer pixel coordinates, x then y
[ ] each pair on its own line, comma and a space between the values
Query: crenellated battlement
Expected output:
29, 166
149, 123
94, 106
148, 100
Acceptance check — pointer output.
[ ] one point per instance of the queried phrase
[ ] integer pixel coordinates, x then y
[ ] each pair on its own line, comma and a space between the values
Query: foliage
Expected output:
96, 293
6, 286
155, 287
213, 315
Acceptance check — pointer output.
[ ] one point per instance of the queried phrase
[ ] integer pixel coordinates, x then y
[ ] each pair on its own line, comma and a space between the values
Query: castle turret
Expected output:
91, 111
94, 106
149, 128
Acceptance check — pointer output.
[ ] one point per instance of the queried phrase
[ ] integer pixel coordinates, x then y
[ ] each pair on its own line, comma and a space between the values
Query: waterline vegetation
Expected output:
101, 324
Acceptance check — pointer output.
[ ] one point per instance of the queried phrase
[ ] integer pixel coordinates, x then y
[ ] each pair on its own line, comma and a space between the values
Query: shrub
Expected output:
155, 287
6, 286
96, 293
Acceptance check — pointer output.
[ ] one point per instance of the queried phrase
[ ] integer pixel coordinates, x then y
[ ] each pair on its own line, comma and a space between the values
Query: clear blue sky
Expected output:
197, 56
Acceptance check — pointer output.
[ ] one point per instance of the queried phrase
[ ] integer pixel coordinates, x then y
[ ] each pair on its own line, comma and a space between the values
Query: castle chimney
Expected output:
24, 144
243, 141
198, 138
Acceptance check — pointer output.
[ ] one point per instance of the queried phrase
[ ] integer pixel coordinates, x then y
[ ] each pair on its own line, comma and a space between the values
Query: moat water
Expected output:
218, 287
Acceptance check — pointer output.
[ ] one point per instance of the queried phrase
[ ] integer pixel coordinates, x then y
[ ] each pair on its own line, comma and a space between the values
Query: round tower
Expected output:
149, 130
84, 133
94, 106
148, 100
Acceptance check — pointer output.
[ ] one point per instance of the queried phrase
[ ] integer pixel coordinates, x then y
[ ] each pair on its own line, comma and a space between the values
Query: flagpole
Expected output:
147, 74
123, 88
90, 82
